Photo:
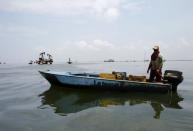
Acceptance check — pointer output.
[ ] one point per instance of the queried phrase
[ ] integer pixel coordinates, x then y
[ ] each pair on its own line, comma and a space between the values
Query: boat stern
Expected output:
174, 78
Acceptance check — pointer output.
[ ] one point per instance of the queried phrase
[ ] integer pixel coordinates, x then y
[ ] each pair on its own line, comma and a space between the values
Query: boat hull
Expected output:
72, 81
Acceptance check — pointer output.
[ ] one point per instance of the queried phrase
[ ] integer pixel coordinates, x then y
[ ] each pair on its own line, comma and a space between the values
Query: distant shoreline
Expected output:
179, 60
104, 62
148, 60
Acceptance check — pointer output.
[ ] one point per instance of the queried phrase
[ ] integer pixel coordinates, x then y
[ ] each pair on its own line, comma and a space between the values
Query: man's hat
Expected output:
156, 47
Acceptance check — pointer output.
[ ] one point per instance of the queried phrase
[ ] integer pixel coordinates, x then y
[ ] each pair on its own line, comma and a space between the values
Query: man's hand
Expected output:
158, 71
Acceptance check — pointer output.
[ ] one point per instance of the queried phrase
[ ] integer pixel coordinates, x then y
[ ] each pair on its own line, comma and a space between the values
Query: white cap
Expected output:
156, 47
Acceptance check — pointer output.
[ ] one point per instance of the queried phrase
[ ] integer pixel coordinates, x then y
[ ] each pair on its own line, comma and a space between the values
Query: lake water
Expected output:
28, 102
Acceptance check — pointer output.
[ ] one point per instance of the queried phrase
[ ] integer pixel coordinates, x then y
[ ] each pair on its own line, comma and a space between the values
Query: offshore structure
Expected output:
69, 61
42, 59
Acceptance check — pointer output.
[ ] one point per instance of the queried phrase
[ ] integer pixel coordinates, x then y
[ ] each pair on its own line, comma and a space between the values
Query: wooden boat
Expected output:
91, 80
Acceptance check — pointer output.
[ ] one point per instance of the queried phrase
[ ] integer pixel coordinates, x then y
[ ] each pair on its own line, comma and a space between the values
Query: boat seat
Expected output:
137, 78
107, 76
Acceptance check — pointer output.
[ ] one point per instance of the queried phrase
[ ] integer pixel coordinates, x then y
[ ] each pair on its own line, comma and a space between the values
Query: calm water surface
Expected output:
28, 102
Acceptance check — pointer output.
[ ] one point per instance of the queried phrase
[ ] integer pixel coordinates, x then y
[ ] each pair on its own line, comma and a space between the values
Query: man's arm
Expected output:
149, 67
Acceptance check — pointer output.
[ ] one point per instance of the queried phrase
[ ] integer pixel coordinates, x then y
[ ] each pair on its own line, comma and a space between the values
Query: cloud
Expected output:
95, 45
105, 8
20, 30
95, 50
111, 14
100, 49
185, 42
135, 7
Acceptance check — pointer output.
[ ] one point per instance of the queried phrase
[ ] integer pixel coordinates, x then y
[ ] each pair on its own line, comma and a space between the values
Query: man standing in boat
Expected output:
155, 65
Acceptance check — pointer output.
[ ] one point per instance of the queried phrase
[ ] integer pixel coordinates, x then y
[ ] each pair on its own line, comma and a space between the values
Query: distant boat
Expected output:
69, 61
3, 63
109, 60
146, 60
31, 62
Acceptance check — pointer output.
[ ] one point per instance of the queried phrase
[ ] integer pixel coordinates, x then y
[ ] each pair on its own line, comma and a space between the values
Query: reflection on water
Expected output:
66, 100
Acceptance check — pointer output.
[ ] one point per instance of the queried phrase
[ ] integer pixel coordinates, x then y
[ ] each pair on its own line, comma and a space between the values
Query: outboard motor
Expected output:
173, 77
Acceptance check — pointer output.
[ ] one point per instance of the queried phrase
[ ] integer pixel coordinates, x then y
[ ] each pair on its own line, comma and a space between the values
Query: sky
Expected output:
95, 30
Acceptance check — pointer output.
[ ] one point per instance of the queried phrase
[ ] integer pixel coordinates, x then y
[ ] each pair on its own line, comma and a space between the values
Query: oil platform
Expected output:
43, 59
